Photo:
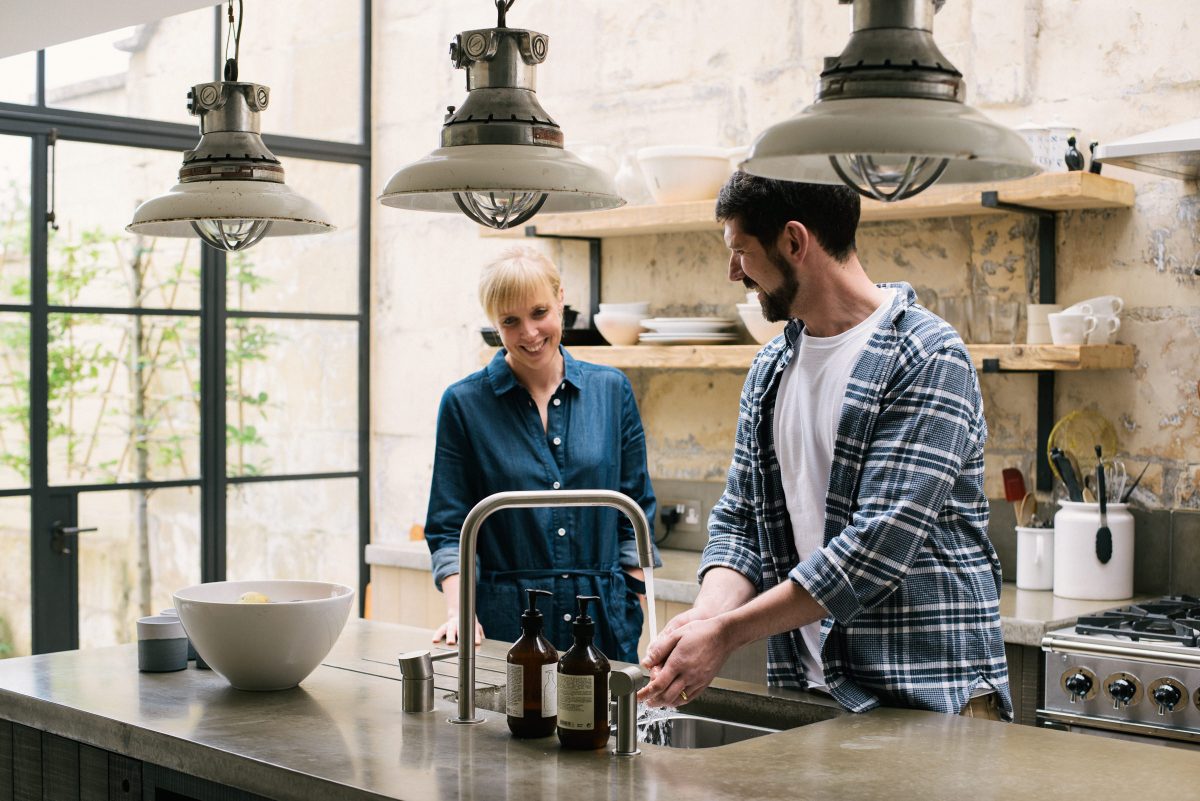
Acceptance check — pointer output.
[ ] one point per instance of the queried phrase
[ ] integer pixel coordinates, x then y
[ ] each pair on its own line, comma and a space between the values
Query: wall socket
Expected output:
694, 500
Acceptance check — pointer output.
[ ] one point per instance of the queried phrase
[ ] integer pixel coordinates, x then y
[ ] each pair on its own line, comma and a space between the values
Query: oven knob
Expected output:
1167, 696
1122, 692
1078, 686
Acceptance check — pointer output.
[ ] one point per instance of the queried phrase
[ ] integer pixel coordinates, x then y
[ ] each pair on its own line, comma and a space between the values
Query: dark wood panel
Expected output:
6, 761
124, 779
93, 774
60, 768
27, 763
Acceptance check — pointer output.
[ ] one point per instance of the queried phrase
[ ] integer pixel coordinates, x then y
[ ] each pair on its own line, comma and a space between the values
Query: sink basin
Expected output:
690, 731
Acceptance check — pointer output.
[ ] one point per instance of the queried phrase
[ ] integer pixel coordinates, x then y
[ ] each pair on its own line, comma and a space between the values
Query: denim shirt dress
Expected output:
490, 439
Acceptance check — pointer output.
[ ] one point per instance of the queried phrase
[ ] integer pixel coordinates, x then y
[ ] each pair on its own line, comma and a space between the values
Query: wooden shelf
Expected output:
1057, 191
738, 357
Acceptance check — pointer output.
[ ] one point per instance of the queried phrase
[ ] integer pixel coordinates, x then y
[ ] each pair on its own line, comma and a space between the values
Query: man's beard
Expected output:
777, 304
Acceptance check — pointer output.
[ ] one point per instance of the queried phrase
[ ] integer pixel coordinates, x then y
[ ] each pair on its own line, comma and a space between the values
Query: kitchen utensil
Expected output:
1014, 485
1027, 510
1133, 486
1066, 474
1115, 477
1103, 535
1078, 433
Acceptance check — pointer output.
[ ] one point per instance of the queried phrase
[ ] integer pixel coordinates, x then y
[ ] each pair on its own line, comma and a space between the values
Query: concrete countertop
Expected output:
1025, 615
341, 736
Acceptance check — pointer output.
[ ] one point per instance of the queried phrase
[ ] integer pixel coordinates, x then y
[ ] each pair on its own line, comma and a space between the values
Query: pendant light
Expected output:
502, 158
231, 191
889, 119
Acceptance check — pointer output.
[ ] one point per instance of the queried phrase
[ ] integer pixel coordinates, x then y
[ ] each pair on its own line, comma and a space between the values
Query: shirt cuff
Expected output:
828, 585
445, 563
731, 552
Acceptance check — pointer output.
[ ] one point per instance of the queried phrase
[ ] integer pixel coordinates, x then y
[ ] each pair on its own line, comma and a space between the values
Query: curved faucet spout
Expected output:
466, 564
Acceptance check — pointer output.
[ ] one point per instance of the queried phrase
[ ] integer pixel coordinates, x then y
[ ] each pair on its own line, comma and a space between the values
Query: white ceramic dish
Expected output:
687, 339
676, 174
264, 646
760, 329
688, 325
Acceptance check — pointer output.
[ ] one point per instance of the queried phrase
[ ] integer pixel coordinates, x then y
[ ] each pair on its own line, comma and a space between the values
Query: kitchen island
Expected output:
341, 736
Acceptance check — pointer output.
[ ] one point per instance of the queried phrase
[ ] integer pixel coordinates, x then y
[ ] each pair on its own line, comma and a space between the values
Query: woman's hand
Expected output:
448, 631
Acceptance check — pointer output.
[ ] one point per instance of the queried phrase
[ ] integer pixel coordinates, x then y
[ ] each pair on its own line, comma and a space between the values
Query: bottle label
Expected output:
576, 702
516, 691
550, 690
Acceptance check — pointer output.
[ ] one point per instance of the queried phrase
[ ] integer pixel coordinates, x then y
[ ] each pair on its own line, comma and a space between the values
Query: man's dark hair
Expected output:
763, 206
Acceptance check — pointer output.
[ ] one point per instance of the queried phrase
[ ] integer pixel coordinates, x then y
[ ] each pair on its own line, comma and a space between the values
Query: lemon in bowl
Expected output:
266, 634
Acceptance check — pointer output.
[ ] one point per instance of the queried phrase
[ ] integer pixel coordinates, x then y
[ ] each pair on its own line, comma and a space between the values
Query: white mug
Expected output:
1104, 330
1070, 328
1035, 558
1038, 326
1103, 304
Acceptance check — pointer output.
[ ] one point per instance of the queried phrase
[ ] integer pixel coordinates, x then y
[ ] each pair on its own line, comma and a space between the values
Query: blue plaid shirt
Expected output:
907, 573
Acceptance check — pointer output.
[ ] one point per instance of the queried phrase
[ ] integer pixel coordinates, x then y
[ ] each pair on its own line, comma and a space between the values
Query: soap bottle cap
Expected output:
584, 627
531, 618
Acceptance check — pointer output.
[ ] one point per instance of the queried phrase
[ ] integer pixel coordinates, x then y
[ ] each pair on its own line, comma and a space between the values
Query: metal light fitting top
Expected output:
891, 53
501, 106
231, 145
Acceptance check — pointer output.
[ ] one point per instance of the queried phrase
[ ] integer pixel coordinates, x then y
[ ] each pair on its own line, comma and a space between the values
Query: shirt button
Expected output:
557, 485
563, 385
567, 617
558, 401
558, 440
562, 532
566, 575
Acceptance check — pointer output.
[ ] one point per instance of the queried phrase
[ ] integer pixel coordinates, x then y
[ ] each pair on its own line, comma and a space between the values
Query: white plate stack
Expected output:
688, 331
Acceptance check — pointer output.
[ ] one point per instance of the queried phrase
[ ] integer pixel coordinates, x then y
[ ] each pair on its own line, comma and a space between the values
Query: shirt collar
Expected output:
503, 380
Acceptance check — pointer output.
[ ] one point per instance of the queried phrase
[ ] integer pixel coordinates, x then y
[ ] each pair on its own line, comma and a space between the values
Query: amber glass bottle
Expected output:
583, 687
532, 677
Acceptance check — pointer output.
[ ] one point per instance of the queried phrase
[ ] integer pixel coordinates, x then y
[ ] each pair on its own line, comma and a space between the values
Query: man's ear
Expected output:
794, 241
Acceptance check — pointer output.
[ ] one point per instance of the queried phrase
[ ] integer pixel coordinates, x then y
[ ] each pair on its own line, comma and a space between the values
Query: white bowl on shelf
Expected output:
264, 646
759, 327
640, 308
618, 328
676, 173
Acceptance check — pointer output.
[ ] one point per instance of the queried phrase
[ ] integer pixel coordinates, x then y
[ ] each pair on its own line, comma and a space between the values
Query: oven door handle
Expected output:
1056, 645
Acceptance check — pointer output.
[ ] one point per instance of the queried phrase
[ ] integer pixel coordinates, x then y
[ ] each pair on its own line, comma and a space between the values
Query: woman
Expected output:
537, 419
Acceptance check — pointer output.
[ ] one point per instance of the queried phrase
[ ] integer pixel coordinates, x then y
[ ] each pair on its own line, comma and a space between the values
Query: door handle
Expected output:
59, 534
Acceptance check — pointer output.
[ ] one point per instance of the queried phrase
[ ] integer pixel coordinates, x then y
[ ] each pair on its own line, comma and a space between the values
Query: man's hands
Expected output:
448, 631
684, 659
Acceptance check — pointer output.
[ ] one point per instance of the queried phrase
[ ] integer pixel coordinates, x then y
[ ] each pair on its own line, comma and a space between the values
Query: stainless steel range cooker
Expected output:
1132, 673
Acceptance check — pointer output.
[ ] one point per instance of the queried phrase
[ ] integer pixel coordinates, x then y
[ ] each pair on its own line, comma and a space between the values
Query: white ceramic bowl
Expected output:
264, 646
761, 330
618, 328
675, 174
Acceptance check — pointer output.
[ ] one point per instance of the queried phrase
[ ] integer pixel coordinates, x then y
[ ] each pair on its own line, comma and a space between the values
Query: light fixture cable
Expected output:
231, 64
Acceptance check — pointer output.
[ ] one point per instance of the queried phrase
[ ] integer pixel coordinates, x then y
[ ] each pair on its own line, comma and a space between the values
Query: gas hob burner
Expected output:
1174, 619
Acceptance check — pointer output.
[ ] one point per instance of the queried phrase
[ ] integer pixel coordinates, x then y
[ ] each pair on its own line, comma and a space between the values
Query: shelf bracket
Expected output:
593, 266
1047, 268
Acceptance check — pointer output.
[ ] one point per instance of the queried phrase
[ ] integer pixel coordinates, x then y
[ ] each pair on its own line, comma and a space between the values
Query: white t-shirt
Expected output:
807, 410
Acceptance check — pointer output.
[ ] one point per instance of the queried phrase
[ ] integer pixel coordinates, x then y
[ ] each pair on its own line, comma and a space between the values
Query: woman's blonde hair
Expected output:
519, 273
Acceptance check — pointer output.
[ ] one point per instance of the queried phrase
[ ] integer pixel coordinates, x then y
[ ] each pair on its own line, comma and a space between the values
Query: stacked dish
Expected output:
688, 331
620, 323
760, 329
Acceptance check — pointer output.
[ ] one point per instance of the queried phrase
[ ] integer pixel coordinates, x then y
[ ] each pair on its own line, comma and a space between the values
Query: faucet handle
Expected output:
419, 664
626, 680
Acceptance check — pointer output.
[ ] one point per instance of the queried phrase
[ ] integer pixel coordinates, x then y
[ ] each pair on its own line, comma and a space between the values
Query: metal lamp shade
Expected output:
890, 131
497, 172
253, 208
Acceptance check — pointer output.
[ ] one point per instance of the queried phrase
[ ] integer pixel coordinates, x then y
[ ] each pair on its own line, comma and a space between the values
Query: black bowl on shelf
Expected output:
491, 336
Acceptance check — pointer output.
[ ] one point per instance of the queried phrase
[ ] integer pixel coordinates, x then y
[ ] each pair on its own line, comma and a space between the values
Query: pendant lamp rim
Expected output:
172, 213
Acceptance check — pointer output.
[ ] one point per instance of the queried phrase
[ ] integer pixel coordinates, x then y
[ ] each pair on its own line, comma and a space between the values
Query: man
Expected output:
853, 527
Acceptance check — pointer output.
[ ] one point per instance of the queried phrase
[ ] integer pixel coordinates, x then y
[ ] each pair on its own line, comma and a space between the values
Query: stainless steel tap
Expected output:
466, 564
624, 685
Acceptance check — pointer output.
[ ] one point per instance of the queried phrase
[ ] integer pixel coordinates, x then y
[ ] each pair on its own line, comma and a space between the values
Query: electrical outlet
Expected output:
690, 517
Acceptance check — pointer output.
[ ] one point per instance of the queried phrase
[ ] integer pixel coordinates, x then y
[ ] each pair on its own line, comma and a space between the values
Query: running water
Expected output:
649, 571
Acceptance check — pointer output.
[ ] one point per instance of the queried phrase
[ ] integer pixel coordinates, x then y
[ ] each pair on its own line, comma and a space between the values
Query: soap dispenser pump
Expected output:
583, 687
532, 690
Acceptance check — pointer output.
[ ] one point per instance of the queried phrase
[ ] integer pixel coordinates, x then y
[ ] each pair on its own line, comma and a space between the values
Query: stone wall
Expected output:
623, 75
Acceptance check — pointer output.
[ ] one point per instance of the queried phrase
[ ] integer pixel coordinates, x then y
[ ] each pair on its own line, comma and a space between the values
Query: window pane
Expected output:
147, 546
316, 273
292, 397
16, 638
18, 79
14, 401
313, 70
124, 398
293, 530
92, 260
14, 218
143, 71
